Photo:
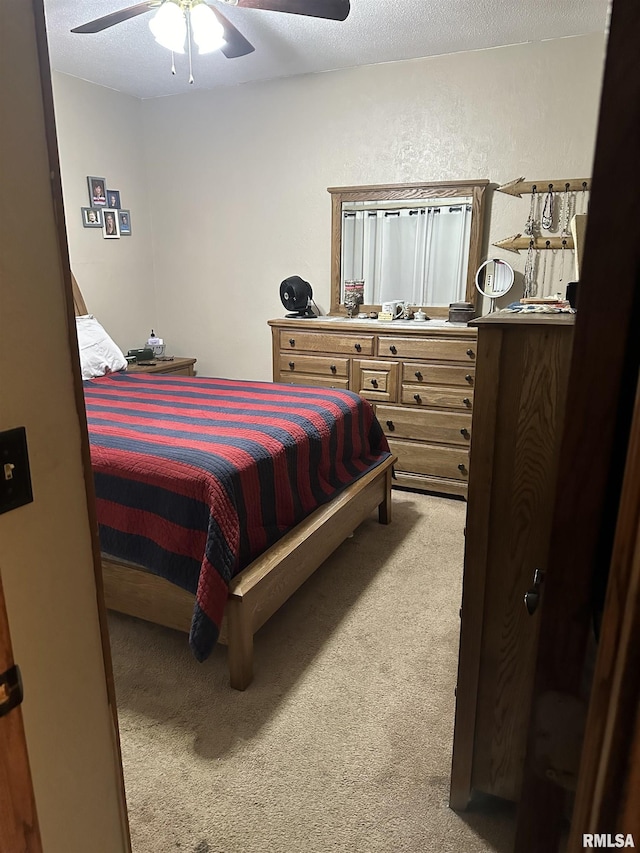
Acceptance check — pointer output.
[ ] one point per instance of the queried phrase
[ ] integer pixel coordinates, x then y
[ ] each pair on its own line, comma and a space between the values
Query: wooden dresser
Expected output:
521, 381
419, 376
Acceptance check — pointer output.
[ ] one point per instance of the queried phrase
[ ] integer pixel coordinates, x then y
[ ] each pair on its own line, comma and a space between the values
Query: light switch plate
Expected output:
15, 477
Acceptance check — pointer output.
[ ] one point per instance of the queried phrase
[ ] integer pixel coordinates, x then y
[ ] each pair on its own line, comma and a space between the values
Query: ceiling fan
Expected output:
186, 18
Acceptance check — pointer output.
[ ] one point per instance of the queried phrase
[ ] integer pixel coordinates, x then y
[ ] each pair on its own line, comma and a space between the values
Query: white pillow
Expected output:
98, 353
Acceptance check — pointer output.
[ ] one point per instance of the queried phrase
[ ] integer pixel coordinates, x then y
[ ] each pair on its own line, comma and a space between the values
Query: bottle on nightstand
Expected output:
156, 344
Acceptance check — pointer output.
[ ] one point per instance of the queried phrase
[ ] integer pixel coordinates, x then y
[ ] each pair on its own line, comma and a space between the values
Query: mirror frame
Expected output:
391, 192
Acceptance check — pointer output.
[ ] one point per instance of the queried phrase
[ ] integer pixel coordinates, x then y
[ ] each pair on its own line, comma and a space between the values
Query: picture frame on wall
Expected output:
113, 199
110, 228
91, 217
124, 222
97, 191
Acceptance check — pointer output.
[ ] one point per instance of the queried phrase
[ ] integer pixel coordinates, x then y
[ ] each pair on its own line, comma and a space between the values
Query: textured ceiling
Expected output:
126, 57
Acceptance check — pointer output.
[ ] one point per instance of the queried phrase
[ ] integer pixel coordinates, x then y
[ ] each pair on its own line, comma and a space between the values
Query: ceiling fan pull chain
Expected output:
188, 14
173, 63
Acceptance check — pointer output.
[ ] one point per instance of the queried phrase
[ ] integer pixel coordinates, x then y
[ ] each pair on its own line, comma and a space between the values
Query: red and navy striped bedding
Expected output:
196, 477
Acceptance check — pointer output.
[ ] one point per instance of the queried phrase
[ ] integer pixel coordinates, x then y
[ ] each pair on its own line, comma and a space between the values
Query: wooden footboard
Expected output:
257, 592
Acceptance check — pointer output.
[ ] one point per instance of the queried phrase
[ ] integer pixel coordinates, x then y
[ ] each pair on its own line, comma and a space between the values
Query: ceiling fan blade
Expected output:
334, 10
116, 17
236, 44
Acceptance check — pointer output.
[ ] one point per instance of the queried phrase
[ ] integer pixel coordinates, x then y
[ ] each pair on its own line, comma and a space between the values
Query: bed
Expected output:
217, 498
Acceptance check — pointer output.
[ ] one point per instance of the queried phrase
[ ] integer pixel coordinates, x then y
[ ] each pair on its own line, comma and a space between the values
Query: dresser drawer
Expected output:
438, 374
432, 395
291, 340
438, 349
376, 380
426, 425
318, 381
318, 364
432, 460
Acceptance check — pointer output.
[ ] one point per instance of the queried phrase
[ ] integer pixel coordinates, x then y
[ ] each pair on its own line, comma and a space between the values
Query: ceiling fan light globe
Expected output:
208, 32
169, 27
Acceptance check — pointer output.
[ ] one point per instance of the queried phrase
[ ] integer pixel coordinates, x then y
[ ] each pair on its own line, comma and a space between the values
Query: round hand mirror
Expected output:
493, 279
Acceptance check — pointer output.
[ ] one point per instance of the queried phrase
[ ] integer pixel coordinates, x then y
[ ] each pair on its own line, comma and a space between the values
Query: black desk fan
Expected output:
297, 296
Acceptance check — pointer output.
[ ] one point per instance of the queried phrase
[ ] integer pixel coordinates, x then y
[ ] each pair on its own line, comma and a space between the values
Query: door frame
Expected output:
19, 828
599, 411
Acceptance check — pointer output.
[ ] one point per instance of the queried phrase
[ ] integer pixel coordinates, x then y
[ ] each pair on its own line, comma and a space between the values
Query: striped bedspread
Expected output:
196, 477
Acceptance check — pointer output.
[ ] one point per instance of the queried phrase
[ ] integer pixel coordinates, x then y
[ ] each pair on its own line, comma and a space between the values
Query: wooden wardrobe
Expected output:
522, 371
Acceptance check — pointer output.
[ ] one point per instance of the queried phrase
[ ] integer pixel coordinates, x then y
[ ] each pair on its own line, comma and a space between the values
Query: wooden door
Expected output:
19, 831
602, 385
609, 783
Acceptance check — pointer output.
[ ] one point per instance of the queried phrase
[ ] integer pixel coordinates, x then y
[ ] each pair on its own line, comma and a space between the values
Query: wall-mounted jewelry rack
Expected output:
519, 241
552, 209
520, 186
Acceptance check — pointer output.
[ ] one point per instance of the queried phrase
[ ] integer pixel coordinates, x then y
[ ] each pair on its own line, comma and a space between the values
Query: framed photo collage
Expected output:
105, 210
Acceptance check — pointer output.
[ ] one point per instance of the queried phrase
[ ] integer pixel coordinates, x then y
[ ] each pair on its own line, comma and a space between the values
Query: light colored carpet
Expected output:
343, 741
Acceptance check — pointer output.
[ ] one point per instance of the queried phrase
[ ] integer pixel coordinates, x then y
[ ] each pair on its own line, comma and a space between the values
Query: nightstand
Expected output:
175, 367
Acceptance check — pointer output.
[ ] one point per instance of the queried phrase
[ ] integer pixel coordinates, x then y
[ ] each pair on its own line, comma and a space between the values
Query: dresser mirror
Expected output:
418, 243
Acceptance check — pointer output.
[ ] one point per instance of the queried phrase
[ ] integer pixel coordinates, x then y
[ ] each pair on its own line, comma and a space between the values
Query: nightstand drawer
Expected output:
177, 366
438, 349
425, 425
443, 398
438, 374
317, 364
292, 340
449, 462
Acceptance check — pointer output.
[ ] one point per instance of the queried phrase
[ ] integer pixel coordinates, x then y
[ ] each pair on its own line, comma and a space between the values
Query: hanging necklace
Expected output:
583, 205
544, 268
547, 210
528, 273
530, 225
566, 213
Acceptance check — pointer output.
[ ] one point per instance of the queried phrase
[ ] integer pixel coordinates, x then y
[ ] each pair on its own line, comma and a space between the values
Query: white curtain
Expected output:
419, 254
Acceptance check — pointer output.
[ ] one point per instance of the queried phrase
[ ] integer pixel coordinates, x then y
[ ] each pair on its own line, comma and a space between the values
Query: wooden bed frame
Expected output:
259, 590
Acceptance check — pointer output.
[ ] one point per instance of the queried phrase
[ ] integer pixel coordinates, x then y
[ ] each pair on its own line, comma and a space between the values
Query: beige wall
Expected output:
45, 547
238, 186
100, 134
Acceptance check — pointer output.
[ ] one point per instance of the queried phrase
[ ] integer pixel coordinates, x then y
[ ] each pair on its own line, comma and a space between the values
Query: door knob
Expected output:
532, 596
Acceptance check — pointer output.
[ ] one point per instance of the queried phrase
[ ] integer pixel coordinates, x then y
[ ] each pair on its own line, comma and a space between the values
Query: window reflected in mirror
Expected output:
416, 253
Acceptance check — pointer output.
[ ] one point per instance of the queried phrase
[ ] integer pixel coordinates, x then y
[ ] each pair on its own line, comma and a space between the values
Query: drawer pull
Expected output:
462, 467
374, 383
292, 365
292, 341
464, 432
358, 347
470, 353
333, 368
391, 426
417, 398
393, 349
467, 402
418, 376
469, 378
